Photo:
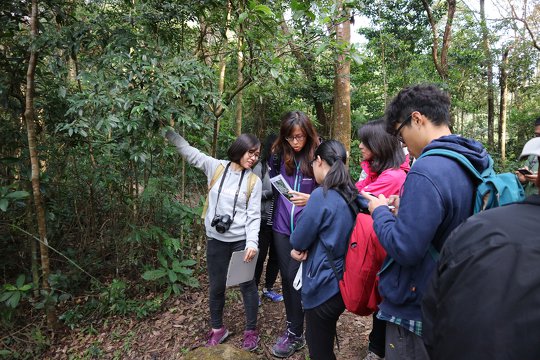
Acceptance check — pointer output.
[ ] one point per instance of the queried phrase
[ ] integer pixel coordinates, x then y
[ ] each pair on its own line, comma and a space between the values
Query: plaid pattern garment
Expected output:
411, 325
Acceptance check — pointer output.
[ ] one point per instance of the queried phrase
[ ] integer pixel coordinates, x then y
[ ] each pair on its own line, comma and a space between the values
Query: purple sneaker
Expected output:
287, 344
251, 340
217, 337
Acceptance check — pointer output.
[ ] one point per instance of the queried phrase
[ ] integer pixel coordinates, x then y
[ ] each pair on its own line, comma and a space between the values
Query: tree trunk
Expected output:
221, 83
441, 64
221, 89
341, 122
240, 77
502, 112
34, 255
489, 66
32, 147
383, 66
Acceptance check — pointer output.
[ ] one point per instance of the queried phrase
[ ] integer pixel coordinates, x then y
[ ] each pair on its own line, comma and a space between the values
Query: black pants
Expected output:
321, 327
377, 336
266, 245
218, 256
402, 344
291, 297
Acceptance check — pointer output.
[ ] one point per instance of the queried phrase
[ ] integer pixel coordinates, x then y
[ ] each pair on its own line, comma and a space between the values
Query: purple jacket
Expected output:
285, 213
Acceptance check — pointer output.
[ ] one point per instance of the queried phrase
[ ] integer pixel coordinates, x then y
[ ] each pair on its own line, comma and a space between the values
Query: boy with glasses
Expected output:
436, 197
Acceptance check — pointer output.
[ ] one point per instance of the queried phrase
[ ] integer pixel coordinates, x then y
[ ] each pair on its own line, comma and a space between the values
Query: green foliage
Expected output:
110, 74
112, 299
12, 294
8, 195
171, 272
116, 302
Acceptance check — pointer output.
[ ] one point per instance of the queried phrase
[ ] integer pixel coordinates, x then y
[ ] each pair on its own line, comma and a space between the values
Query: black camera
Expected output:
222, 223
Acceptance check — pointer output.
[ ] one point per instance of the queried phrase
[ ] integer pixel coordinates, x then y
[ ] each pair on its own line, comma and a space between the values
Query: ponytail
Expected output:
338, 177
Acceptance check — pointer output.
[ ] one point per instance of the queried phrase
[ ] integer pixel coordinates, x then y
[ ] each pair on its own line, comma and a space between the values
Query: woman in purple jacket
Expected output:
291, 156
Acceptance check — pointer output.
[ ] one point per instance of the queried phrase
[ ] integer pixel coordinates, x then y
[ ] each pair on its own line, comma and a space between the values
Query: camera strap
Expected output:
237, 190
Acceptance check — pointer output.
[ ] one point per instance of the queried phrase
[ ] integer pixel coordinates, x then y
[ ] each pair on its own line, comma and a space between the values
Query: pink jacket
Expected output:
388, 183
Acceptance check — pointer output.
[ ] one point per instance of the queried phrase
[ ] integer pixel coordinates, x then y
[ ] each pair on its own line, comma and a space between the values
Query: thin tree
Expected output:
221, 82
489, 66
341, 122
526, 23
441, 63
503, 83
29, 115
240, 79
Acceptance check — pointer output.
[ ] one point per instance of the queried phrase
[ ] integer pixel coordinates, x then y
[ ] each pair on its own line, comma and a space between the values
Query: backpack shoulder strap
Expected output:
353, 205
276, 162
355, 209
459, 158
217, 174
252, 180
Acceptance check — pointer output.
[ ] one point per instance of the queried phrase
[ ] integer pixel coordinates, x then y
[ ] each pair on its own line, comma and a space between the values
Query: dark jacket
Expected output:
483, 301
437, 196
267, 192
325, 224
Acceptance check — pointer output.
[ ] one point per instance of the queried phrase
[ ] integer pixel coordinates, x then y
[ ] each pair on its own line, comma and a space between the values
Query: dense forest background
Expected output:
100, 217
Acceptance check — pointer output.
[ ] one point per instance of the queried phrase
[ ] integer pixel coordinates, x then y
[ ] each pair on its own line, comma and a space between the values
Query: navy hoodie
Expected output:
437, 196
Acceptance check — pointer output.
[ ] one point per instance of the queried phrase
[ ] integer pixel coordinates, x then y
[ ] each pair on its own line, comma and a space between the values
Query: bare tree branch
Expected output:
525, 23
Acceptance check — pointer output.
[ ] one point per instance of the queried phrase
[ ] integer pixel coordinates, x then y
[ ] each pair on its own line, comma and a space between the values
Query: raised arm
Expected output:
192, 155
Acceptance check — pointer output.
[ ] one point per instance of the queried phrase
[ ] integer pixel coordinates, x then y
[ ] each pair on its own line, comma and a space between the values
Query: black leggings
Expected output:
377, 336
321, 327
218, 256
291, 297
266, 244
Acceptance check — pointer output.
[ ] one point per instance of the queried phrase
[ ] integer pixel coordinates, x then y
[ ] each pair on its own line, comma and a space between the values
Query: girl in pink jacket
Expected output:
385, 167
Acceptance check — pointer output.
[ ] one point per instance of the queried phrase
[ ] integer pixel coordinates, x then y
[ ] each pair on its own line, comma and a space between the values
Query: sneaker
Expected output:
272, 295
251, 340
287, 344
217, 337
260, 301
372, 356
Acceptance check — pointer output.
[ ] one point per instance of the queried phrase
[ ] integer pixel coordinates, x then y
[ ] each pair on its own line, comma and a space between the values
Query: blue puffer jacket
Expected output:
437, 196
325, 222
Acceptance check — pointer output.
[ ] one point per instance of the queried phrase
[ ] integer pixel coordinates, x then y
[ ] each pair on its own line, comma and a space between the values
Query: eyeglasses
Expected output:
298, 138
397, 133
253, 154
311, 162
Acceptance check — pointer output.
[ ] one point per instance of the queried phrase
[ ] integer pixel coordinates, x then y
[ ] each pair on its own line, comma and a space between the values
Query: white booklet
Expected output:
281, 185
240, 271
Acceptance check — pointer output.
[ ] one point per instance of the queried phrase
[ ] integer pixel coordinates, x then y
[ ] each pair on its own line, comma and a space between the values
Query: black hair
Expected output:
428, 100
266, 152
537, 122
241, 145
386, 149
283, 149
338, 177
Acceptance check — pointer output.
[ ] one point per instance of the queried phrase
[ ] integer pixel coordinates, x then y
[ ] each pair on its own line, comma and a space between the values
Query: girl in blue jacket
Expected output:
322, 228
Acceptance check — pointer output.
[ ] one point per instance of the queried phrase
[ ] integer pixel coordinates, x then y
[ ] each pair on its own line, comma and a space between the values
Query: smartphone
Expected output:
525, 171
391, 207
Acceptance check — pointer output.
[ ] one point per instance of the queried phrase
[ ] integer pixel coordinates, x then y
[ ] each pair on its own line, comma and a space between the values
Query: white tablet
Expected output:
240, 271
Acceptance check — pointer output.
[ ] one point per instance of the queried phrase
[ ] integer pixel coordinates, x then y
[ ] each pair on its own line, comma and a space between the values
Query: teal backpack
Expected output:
493, 189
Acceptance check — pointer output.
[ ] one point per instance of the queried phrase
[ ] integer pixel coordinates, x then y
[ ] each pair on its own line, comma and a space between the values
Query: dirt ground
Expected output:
181, 326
